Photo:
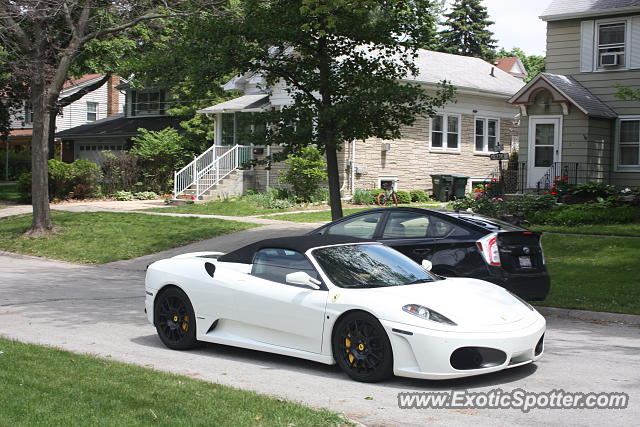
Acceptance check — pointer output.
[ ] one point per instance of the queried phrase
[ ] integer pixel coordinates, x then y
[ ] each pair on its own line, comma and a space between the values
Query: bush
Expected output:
321, 195
123, 196
145, 195
373, 194
588, 214
159, 154
66, 180
24, 187
361, 197
403, 196
19, 163
524, 205
271, 199
593, 190
419, 196
120, 172
306, 172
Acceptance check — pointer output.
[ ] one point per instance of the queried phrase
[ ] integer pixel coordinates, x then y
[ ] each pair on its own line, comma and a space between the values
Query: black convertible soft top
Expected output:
300, 244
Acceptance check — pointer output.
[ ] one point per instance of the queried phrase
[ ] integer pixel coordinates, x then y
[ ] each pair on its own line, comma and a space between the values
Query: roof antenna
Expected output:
492, 70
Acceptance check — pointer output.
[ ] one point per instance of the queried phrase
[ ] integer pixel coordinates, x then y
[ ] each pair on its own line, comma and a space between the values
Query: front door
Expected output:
544, 146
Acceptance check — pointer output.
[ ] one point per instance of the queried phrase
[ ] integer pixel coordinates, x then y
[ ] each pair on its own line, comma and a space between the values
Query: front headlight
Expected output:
427, 314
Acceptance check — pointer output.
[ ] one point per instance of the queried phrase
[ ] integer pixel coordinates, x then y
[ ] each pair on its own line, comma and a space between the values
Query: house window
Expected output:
28, 113
629, 144
611, 45
445, 132
149, 103
92, 111
487, 134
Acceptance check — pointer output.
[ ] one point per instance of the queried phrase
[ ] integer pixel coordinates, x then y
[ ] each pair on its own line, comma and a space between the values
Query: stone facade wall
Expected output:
413, 162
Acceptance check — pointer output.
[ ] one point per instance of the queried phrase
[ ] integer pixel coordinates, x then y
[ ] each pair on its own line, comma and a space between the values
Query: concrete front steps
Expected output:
234, 184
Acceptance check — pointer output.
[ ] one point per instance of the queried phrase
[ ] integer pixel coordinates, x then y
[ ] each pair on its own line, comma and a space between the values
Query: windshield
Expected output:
369, 266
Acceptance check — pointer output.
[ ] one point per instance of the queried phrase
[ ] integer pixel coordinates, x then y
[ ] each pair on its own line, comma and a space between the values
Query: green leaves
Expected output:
466, 31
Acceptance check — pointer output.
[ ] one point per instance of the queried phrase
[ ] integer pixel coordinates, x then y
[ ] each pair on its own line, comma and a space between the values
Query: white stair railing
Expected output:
209, 168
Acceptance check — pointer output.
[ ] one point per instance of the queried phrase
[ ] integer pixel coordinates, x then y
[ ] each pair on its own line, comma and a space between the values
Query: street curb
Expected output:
592, 316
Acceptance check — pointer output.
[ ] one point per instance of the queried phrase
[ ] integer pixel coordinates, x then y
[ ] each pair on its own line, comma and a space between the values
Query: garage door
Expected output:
94, 151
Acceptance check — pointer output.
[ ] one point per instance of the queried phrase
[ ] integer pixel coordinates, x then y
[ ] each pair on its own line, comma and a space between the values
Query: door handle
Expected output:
421, 251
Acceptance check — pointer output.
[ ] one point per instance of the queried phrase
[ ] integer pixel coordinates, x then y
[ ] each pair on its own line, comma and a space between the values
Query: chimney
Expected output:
113, 95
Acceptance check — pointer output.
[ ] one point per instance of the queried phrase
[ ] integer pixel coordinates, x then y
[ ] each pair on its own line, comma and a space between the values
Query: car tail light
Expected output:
488, 246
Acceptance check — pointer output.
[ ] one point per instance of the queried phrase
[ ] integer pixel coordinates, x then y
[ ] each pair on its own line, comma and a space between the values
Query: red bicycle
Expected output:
388, 195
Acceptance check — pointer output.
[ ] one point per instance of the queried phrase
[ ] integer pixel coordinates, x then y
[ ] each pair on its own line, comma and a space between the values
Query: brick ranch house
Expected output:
458, 140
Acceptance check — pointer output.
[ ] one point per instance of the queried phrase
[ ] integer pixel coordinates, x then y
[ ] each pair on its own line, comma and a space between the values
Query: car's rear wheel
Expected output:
175, 320
362, 349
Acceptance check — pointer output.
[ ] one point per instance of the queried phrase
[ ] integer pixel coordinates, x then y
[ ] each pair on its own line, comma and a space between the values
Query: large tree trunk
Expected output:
334, 182
41, 223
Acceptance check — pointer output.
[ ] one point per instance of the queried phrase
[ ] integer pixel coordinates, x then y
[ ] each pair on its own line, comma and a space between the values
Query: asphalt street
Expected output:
99, 310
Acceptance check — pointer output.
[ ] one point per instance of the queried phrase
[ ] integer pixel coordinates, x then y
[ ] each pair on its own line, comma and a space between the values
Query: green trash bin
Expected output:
442, 186
459, 187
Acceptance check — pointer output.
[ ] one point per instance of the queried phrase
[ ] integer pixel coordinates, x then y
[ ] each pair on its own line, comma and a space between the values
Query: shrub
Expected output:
419, 196
159, 153
269, 199
119, 172
306, 172
66, 180
593, 190
524, 205
321, 195
145, 195
19, 163
123, 196
374, 195
572, 215
361, 197
403, 196
24, 187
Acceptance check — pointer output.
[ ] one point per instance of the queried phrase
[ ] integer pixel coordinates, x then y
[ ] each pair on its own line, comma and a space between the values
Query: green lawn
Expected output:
632, 229
593, 273
9, 193
49, 387
99, 237
236, 207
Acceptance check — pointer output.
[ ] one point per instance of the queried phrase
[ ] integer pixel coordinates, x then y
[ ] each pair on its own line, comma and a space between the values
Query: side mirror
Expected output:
427, 265
302, 278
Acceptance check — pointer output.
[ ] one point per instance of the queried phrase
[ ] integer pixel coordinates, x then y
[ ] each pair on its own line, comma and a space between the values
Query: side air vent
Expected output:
210, 268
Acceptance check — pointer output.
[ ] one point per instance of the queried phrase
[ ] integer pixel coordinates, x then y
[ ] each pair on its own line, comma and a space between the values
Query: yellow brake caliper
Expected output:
347, 343
185, 323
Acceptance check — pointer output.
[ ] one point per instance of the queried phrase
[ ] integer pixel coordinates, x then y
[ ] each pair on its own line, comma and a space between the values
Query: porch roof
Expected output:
564, 89
243, 103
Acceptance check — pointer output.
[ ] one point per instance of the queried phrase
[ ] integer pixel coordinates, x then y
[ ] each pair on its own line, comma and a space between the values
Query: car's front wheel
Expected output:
175, 320
361, 348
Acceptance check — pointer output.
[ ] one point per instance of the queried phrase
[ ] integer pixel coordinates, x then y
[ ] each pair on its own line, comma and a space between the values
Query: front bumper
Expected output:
427, 353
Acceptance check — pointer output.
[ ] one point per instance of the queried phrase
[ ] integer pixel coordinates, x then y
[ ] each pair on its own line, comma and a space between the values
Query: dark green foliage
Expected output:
19, 163
466, 31
307, 170
498, 207
75, 180
403, 197
587, 214
419, 196
361, 197
160, 154
593, 190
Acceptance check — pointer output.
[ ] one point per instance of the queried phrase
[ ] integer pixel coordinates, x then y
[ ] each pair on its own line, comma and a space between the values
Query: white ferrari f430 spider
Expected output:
336, 299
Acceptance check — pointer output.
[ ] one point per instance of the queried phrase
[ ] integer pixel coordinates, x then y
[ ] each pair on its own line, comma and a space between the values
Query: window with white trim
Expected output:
28, 113
611, 45
629, 144
92, 111
445, 132
487, 135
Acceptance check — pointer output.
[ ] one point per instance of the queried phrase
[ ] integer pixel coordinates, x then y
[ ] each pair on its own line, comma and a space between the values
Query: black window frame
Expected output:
310, 270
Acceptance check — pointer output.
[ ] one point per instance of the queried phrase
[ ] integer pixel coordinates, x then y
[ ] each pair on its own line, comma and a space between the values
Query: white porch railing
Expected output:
209, 168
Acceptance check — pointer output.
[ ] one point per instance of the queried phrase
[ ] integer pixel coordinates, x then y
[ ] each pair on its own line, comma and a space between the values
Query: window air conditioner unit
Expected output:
386, 146
361, 170
609, 59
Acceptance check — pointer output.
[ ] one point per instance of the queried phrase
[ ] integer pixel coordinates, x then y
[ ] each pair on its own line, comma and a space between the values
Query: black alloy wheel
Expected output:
362, 349
175, 320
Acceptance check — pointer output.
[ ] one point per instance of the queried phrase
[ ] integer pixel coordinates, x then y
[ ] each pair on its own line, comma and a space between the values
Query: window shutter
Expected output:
635, 42
587, 45
134, 102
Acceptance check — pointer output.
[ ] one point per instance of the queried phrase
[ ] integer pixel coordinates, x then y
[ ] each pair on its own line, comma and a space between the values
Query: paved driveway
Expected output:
99, 310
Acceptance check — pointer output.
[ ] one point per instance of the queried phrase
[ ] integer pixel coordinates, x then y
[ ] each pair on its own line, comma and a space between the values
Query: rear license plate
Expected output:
525, 262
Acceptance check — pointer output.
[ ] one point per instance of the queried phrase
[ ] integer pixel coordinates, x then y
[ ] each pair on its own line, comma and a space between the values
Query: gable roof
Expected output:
300, 244
569, 89
119, 125
465, 73
567, 9
512, 65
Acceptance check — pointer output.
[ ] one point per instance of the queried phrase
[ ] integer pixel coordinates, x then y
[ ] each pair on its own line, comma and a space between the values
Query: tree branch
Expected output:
21, 37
